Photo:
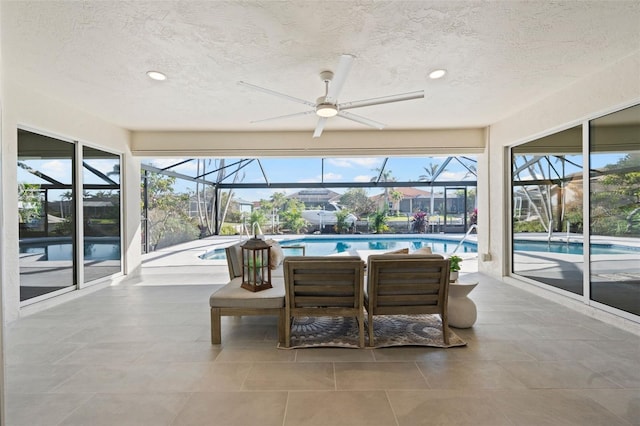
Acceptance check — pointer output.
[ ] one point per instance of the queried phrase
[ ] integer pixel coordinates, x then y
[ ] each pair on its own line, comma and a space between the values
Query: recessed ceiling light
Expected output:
435, 74
156, 75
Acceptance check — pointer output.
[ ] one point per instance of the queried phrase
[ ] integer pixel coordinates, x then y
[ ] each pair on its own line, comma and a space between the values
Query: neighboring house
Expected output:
413, 199
319, 199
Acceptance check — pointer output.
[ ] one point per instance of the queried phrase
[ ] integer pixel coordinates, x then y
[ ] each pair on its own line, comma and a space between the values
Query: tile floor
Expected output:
139, 353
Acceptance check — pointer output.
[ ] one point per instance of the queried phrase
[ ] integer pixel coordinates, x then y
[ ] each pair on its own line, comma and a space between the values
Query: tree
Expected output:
256, 218
357, 201
342, 226
292, 215
379, 220
430, 170
278, 200
615, 206
384, 176
168, 221
29, 202
396, 196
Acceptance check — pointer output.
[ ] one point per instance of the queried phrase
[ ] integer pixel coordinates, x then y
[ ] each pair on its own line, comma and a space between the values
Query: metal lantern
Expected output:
256, 275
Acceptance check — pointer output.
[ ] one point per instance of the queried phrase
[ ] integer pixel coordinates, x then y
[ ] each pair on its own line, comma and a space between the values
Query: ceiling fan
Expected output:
327, 106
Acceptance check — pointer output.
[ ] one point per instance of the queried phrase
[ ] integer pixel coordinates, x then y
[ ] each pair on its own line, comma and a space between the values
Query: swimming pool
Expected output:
327, 245
56, 250
572, 248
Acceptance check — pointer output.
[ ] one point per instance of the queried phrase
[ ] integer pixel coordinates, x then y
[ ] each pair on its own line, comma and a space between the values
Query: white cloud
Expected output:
452, 175
318, 178
59, 170
161, 163
186, 168
332, 176
355, 162
189, 167
362, 178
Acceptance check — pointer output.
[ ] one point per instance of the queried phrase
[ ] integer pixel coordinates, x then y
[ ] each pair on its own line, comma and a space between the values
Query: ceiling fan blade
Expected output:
383, 100
320, 127
285, 116
339, 77
278, 94
362, 120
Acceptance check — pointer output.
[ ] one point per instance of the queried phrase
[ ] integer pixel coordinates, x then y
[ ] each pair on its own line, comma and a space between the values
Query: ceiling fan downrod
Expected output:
323, 108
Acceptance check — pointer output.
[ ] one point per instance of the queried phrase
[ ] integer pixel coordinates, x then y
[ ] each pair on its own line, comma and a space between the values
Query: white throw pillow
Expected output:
400, 251
276, 255
423, 250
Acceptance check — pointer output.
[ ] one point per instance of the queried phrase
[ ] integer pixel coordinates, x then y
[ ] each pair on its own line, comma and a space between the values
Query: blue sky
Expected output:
305, 170
297, 170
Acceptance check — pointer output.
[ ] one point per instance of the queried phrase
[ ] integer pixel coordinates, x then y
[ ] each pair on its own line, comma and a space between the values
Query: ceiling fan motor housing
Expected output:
325, 109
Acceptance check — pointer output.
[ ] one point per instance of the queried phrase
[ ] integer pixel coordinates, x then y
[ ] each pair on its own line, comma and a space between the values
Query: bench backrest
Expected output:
409, 284
323, 284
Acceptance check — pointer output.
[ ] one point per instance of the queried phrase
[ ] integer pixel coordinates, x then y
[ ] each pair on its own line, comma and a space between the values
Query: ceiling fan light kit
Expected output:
327, 106
325, 109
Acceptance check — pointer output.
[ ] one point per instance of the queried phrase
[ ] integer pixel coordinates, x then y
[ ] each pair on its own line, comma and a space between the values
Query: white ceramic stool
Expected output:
461, 312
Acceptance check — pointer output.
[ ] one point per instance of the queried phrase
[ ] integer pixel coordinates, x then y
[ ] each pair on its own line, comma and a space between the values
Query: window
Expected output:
48, 218
46, 210
614, 206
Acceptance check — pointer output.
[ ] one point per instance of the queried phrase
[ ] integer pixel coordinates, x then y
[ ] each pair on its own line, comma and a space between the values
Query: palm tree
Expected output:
430, 175
396, 196
385, 176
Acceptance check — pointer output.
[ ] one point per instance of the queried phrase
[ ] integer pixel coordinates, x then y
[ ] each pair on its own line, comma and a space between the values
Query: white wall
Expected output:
373, 143
24, 108
2, 261
613, 88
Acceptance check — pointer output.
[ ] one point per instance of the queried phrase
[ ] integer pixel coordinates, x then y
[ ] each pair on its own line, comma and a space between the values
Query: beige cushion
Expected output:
400, 251
234, 296
276, 255
423, 250
234, 259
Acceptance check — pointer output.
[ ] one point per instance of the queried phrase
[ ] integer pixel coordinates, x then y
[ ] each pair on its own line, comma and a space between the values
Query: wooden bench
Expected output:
232, 300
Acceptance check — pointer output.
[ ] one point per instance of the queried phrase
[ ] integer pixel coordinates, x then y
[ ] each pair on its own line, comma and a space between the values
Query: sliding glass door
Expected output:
52, 259
551, 218
46, 211
101, 213
614, 204
547, 238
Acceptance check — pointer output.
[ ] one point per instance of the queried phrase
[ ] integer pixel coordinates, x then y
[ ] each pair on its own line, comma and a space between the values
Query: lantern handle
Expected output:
255, 225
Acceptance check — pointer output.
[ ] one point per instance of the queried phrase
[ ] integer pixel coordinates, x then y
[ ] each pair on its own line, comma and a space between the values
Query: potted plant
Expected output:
454, 267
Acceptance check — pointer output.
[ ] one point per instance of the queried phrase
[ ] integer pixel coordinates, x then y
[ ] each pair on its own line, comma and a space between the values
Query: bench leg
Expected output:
287, 328
281, 326
216, 336
360, 319
370, 324
445, 328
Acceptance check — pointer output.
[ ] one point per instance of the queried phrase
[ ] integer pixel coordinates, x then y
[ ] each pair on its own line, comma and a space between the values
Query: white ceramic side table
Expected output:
462, 312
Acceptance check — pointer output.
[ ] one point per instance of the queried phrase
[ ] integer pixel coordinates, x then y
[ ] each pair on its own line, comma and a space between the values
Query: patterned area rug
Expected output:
393, 330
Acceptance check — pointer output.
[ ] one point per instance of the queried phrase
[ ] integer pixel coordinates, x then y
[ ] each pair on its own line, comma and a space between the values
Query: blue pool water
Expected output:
331, 245
326, 246
64, 251
571, 248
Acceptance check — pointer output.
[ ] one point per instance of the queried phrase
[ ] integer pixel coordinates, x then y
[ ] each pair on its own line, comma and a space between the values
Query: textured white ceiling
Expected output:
501, 56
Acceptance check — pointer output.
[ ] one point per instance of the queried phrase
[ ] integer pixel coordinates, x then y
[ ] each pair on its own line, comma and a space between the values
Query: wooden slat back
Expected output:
410, 284
323, 282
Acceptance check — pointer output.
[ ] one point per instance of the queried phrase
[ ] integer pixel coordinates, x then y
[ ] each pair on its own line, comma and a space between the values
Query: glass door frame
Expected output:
586, 205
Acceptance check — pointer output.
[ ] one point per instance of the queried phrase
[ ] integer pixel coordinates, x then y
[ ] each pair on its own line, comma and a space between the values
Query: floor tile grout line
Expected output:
76, 408
393, 411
